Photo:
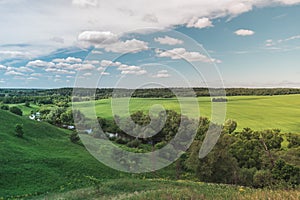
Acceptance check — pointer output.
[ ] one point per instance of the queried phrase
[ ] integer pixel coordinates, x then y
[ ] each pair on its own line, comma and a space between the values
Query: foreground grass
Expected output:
43, 161
256, 112
136, 189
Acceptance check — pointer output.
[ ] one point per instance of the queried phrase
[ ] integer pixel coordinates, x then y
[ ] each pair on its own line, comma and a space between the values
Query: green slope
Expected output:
44, 160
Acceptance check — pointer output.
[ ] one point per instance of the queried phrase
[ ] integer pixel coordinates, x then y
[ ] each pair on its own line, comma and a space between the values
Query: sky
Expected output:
143, 43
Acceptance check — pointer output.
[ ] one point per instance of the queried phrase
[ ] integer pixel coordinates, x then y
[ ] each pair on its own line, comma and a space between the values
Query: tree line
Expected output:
247, 157
50, 96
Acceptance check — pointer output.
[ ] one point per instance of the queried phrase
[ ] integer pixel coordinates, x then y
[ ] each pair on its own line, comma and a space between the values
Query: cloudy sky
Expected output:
134, 43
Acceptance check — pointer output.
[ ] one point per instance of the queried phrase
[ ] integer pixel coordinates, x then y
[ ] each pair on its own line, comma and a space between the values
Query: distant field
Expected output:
256, 112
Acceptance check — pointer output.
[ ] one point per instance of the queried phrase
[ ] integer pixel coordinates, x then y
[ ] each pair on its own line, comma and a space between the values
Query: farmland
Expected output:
257, 112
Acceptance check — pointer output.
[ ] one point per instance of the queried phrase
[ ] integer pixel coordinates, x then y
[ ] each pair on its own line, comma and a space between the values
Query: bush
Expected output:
27, 104
121, 141
16, 110
134, 143
4, 107
263, 178
19, 130
74, 137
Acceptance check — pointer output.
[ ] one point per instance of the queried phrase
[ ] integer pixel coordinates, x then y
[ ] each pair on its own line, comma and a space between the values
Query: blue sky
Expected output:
197, 43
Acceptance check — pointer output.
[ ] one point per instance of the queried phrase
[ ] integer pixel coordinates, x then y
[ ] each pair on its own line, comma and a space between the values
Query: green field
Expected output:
256, 112
43, 161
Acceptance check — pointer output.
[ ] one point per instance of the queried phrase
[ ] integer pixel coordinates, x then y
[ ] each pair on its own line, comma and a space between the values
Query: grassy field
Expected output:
43, 161
149, 189
256, 112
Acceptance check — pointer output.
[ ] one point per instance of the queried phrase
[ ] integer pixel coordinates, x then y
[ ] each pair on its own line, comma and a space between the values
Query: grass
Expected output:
135, 189
44, 160
256, 112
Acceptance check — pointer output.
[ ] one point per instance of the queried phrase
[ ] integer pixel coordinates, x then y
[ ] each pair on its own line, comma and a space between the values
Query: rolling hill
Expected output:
43, 161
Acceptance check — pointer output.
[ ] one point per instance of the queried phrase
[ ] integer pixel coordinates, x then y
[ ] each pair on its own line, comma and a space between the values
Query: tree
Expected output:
4, 107
27, 104
16, 110
229, 126
19, 130
74, 137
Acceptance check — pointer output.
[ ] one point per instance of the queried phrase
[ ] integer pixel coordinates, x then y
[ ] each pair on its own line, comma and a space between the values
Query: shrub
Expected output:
134, 143
4, 107
27, 104
19, 130
121, 141
16, 110
74, 137
263, 178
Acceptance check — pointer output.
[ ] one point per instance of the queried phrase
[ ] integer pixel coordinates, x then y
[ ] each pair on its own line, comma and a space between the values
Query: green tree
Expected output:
4, 107
16, 110
74, 137
19, 130
229, 126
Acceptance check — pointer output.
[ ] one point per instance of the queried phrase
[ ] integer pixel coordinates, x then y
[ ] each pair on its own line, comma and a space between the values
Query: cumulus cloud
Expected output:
8, 54
182, 53
199, 23
136, 70
125, 69
87, 74
114, 15
40, 63
161, 74
67, 60
244, 32
111, 42
168, 40
132, 46
32, 78
36, 74
13, 73
98, 38
24, 69
2, 67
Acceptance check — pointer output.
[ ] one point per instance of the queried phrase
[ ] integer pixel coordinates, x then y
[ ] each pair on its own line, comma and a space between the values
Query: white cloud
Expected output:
36, 74
293, 38
114, 15
168, 40
40, 63
85, 3
32, 78
132, 46
24, 69
111, 42
98, 38
182, 53
13, 73
199, 23
136, 70
83, 67
87, 74
107, 63
105, 73
288, 2
59, 71
244, 32
67, 60
2, 67
161, 74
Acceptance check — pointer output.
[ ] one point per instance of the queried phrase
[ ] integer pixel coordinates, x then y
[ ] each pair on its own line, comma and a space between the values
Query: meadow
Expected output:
256, 112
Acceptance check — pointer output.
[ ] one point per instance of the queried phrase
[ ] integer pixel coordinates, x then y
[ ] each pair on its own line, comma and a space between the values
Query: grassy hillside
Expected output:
44, 160
256, 112
135, 189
